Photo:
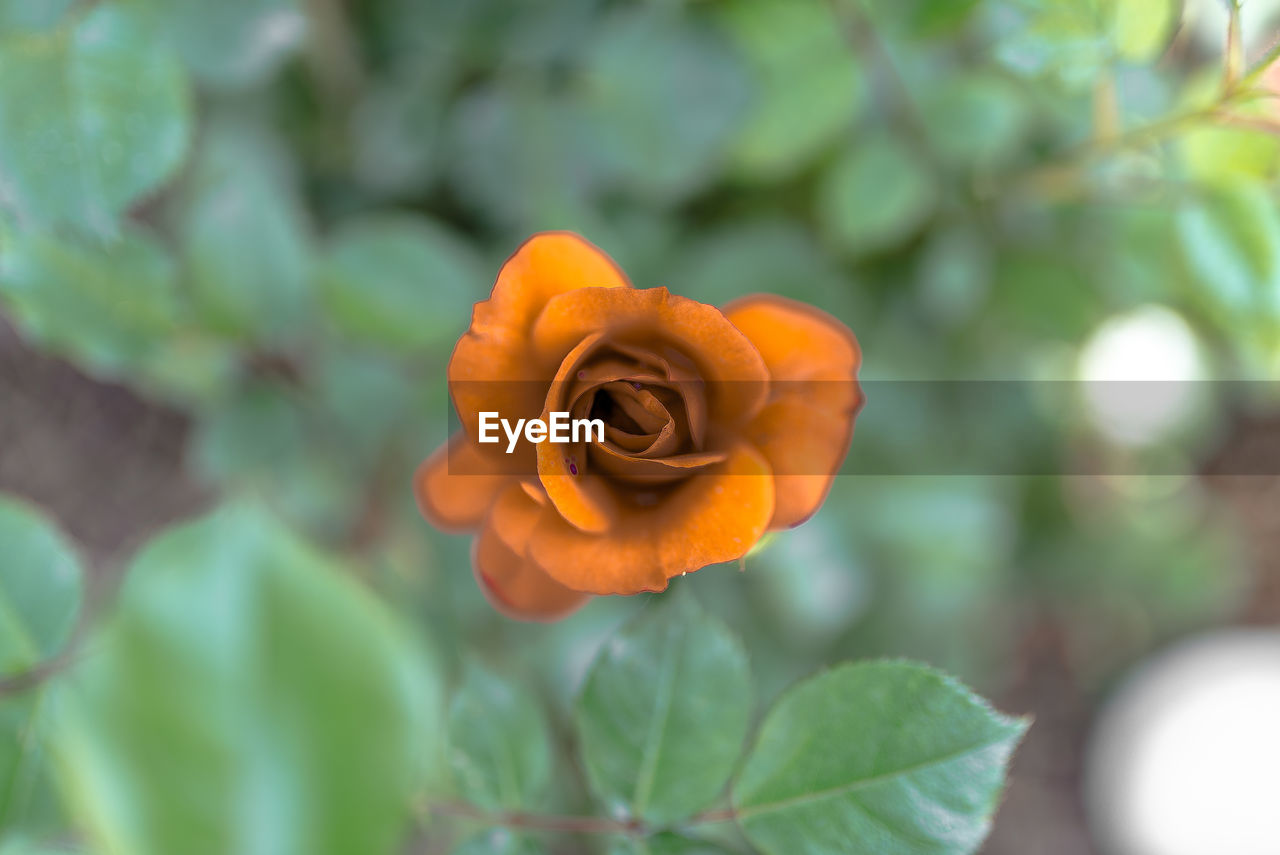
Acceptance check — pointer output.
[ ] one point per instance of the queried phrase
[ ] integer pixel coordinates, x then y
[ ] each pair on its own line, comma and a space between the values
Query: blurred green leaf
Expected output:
964, 559
523, 158
28, 799
1044, 293
261, 427
40, 600
809, 87
40, 587
26, 16
665, 96
973, 120
875, 196
231, 43
398, 136
1070, 40
105, 117
664, 712
1142, 29
1230, 239
109, 305
954, 274
1217, 153
194, 370
884, 757
811, 582
401, 282
245, 238
768, 255
925, 18
268, 441
365, 397
239, 651
499, 748
499, 841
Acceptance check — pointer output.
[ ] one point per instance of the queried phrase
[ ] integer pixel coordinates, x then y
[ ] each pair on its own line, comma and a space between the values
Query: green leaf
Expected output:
1221, 154
401, 282
365, 398
954, 274
231, 43
499, 841
875, 197
499, 748
1230, 240
665, 96
25, 16
523, 158
107, 119
245, 238
765, 255
28, 800
664, 712
928, 18
398, 136
1069, 39
40, 587
241, 652
267, 442
1142, 29
973, 120
890, 758
106, 305
809, 87
40, 599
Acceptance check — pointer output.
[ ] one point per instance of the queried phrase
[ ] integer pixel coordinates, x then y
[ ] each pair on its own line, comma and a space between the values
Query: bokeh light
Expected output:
1185, 759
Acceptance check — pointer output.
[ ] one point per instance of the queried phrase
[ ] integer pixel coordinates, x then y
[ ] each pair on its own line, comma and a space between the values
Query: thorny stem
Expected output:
564, 824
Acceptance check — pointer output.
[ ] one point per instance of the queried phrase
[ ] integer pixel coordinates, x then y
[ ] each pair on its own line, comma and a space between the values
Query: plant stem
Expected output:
35, 676
1234, 60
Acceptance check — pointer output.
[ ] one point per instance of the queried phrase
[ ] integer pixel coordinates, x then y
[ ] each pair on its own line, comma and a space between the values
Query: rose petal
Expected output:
456, 486
712, 517
736, 375
493, 368
631, 443
650, 471
805, 429
511, 582
581, 498
683, 377
641, 406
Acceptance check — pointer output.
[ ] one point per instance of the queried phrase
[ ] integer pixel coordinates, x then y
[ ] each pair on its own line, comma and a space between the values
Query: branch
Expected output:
1234, 60
714, 816
25, 681
1260, 67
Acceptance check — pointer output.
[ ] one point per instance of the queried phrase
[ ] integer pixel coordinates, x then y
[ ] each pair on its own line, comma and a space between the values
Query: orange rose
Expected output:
719, 426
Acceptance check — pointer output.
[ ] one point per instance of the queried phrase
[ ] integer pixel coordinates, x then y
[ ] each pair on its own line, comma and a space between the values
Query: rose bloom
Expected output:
721, 425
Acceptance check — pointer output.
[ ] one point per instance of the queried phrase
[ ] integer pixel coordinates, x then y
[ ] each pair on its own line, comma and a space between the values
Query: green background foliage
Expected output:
273, 216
